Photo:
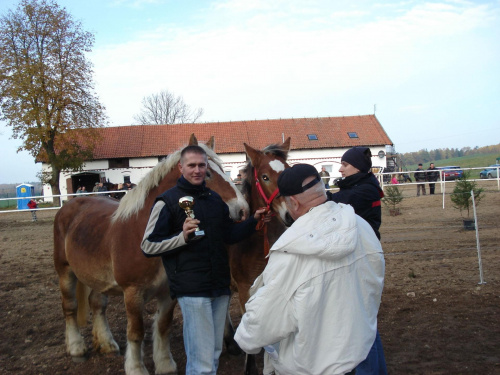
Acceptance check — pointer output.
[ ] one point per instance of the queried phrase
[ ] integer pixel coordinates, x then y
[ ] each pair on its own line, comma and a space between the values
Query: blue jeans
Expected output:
203, 330
374, 364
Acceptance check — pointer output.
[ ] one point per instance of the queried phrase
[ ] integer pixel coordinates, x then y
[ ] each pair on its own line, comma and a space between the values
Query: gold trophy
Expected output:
187, 203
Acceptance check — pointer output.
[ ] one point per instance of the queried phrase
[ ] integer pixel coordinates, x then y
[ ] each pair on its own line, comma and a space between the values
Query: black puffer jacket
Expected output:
201, 267
362, 191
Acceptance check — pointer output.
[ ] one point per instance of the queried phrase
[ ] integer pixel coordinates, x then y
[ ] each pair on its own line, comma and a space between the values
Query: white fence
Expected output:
41, 199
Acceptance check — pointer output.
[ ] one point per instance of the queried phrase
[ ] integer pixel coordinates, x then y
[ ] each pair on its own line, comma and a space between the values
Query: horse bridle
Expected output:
261, 224
262, 193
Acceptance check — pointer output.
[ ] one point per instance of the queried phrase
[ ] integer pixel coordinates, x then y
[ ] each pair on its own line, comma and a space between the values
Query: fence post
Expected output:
481, 280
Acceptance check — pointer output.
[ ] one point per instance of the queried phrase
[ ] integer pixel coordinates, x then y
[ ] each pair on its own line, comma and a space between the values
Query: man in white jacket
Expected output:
317, 311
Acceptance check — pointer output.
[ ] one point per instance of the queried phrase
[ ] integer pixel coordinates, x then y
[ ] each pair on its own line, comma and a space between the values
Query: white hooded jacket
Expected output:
321, 294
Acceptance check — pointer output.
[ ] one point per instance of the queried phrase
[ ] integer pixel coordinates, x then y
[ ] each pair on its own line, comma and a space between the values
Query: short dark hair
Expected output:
192, 149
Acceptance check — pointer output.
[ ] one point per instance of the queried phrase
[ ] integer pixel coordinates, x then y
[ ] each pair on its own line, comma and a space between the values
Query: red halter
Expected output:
261, 191
262, 225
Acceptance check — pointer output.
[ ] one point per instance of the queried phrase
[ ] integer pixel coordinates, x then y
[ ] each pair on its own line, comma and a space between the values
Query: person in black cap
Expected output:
361, 189
327, 263
420, 177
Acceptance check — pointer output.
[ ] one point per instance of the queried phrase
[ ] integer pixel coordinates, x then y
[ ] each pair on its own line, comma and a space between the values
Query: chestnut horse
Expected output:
248, 258
97, 250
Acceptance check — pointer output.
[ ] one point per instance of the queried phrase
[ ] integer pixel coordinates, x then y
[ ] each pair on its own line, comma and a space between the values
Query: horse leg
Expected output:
232, 346
134, 306
75, 345
251, 365
102, 338
162, 356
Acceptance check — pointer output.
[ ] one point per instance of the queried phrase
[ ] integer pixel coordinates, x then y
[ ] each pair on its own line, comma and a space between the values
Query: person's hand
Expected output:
263, 214
190, 225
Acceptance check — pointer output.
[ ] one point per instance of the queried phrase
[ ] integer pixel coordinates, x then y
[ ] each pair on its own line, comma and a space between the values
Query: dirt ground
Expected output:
434, 319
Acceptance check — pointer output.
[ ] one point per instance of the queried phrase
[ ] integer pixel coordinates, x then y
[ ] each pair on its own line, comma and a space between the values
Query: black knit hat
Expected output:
359, 157
291, 179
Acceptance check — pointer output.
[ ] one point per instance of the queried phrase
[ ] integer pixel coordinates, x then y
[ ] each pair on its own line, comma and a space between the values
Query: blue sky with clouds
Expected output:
432, 68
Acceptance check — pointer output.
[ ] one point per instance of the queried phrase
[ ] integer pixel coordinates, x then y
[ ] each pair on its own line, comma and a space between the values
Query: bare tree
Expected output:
46, 87
166, 108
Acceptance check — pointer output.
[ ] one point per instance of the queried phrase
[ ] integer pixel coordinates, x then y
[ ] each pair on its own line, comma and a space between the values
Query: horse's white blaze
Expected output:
277, 165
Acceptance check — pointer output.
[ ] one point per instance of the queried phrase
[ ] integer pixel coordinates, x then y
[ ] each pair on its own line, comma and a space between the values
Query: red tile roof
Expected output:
157, 140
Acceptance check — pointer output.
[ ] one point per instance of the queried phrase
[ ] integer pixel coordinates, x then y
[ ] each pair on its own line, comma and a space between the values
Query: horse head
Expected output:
261, 177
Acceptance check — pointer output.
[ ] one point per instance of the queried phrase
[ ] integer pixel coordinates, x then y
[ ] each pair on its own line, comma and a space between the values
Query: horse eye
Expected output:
208, 174
265, 178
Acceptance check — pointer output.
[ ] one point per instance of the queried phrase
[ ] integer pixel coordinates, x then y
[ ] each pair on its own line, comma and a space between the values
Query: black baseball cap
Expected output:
291, 179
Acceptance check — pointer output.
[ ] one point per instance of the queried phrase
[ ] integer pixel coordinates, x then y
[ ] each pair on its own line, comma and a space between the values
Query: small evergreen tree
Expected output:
392, 198
461, 196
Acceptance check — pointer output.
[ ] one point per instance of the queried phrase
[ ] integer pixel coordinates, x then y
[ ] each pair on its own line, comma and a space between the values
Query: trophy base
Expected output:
197, 235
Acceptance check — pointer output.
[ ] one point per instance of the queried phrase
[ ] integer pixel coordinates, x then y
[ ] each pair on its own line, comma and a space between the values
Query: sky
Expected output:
429, 70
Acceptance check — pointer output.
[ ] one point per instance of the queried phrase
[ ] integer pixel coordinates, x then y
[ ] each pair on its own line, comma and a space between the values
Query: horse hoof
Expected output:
79, 359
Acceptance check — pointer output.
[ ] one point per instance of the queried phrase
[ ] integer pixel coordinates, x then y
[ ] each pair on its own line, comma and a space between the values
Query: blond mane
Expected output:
134, 200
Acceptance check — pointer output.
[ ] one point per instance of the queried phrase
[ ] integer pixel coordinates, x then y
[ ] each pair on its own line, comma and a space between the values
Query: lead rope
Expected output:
262, 225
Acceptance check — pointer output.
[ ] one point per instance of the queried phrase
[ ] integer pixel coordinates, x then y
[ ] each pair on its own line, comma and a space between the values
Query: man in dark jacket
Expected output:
432, 175
420, 179
361, 189
197, 268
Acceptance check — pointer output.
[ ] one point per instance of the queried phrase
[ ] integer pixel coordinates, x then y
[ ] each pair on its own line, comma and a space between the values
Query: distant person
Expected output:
419, 175
432, 175
325, 177
238, 180
101, 187
32, 205
394, 180
127, 186
316, 312
96, 188
79, 190
83, 190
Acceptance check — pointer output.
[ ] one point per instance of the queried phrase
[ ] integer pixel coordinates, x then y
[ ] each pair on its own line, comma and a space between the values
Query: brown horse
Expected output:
97, 249
248, 257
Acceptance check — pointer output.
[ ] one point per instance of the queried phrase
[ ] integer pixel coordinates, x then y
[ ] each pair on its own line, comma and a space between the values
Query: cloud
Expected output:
257, 59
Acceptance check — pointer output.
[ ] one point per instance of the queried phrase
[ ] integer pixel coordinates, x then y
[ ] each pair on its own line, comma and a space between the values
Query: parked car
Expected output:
490, 172
451, 172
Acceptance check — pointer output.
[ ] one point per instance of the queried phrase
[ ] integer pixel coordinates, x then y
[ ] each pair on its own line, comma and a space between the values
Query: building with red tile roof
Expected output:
127, 153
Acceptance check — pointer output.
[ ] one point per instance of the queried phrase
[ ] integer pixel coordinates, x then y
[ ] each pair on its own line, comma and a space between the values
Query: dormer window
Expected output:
312, 137
352, 134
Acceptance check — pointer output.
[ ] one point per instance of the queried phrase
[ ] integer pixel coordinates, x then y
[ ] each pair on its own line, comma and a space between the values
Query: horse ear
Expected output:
211, 143
286, 146
252, 154
193, 141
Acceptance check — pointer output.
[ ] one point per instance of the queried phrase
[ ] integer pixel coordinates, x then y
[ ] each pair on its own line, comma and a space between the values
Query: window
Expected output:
126, 179
118, 163
352, 134
312, 137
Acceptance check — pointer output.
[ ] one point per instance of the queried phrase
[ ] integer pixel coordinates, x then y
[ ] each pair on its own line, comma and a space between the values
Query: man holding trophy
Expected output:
188, 227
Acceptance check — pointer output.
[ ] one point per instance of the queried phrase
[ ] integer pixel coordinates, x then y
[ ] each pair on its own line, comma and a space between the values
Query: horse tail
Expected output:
82, 297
